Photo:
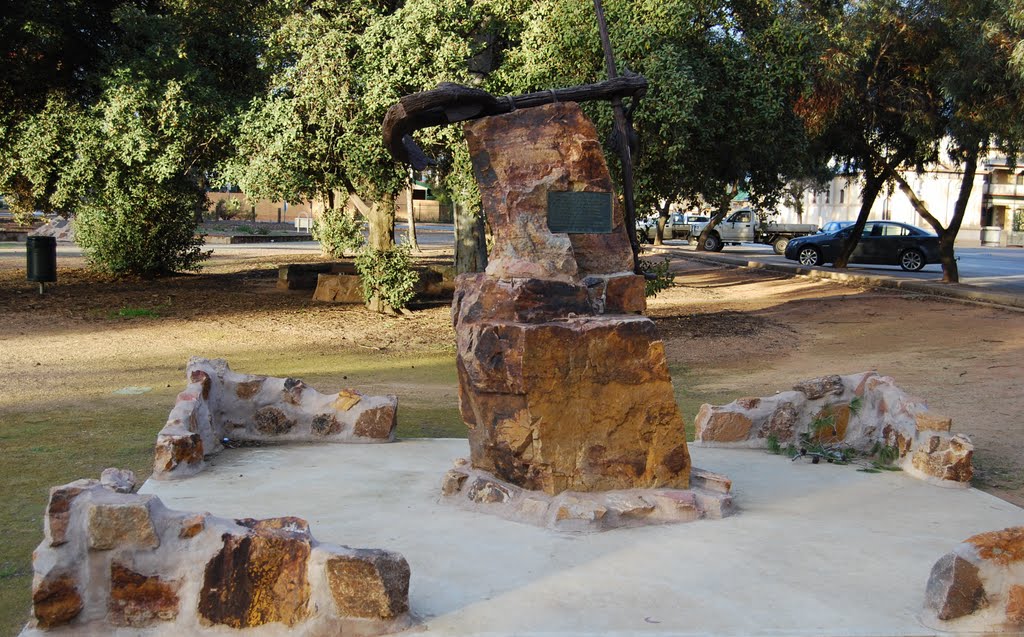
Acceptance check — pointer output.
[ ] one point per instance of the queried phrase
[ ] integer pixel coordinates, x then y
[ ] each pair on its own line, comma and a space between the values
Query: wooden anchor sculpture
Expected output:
450, 103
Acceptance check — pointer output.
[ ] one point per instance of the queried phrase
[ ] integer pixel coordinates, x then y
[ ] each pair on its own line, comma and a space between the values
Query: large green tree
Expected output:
128, 144
314, 132
872, 100
981, 103
722, 75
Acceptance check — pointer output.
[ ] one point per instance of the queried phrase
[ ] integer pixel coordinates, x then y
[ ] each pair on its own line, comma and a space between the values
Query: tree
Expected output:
872, 101
716, 118
981, 100
49, 57
128, 142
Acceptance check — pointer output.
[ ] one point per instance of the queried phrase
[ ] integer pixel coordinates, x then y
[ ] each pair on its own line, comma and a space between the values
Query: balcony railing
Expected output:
1005, 190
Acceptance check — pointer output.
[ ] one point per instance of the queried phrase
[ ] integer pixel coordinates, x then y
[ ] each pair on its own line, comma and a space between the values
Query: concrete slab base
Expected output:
814, 550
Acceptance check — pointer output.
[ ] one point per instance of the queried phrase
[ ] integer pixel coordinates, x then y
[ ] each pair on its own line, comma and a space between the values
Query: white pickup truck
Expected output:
743, 226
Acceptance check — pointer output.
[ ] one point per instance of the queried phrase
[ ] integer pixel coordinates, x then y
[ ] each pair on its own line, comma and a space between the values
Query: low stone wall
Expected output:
978, 587
113, 561
861, 410
220, 404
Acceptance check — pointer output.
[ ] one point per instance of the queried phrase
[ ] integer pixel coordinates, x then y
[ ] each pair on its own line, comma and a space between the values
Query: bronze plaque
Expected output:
580, 212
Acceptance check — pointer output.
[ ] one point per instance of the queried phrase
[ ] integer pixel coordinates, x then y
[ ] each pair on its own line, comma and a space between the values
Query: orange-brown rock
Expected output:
556, 149
55, 601
927, 421
946, 459
339, 288
625, 295
174, 450
1002, 547
581, 404
561, 386
377, 423
192, 526
832, 423
121, 525
58, 509
1015, 605
722, 426
259, 577
139, 600
372, 584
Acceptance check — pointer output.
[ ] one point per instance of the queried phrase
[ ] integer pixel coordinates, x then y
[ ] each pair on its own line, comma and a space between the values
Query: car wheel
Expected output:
809, 256
713, 243
780, 245
912, 260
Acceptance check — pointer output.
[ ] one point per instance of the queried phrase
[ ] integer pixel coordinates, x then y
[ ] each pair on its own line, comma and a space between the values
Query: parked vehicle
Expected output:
882, 243
743, 226
835, 226
677, 226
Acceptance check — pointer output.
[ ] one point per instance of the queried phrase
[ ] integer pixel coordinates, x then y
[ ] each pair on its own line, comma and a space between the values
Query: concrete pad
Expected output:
814, 550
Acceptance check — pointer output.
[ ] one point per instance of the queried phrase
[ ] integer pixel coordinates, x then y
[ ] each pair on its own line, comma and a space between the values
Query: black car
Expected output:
882, 243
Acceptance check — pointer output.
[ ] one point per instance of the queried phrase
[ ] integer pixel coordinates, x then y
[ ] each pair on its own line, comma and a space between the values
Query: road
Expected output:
994, 269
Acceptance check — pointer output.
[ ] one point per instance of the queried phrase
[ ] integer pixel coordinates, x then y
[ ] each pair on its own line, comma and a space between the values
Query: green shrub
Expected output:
657, 276
387, 276
144, 236
337, 232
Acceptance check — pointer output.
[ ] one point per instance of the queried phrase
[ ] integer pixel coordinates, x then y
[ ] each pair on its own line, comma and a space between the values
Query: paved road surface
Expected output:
995, 269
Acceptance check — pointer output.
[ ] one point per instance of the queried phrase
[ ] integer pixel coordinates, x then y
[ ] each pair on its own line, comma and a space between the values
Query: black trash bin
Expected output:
41, 253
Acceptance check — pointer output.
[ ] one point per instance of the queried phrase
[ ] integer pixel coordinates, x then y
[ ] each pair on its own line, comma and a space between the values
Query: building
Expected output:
995, 207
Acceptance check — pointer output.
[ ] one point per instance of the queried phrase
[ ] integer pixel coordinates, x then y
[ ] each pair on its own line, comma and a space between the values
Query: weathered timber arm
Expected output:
450, 103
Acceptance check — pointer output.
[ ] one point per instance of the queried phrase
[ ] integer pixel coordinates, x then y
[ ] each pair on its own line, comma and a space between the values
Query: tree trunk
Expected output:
411, 216
470, 240
662, 220
947, 236
872, 186
950, 270
381, 217
716, 218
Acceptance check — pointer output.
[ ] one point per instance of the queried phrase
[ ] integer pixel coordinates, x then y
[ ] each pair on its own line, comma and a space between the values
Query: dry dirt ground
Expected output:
728, 333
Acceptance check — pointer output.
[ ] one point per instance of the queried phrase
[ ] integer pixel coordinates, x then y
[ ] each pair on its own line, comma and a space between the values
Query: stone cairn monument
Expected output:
563, 384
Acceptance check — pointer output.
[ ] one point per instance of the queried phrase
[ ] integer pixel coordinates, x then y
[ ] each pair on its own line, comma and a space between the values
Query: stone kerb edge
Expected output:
219, 404
927, 449
584, 512
120, 561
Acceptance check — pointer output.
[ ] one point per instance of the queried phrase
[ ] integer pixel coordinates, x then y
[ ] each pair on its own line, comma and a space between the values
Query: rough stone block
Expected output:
140, 600
259, 577
55, 600
379, 422
369, 584
954, 588
582, 405
119, 480
1004, 547
121, 525
173, 451
453, 481
58, 510
816, 388
722, 426
339, 288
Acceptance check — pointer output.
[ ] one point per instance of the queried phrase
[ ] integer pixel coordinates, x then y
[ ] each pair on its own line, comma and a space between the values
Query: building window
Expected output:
842, 195
828, 194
